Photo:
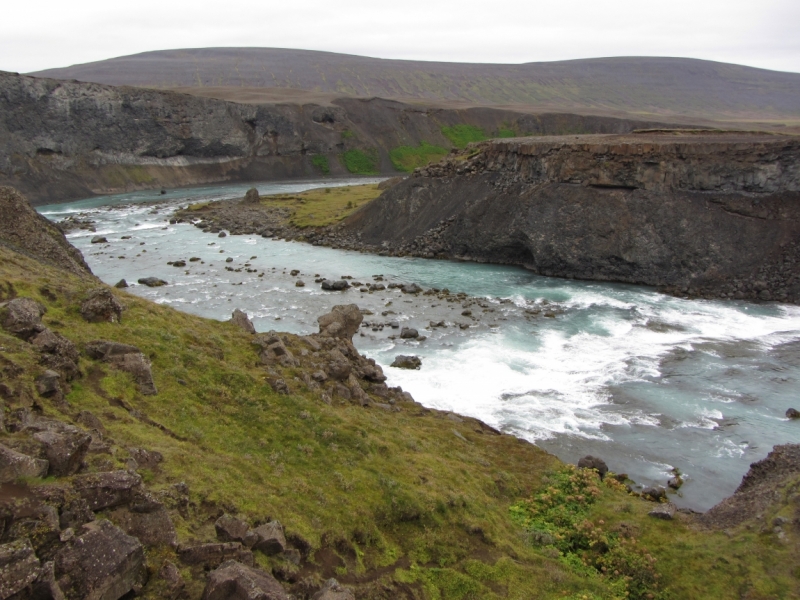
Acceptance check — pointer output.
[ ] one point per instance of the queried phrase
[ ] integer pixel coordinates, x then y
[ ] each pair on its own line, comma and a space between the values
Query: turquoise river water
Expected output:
646, 381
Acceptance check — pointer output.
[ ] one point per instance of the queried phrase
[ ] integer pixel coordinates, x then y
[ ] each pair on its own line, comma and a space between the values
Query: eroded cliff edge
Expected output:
702, 213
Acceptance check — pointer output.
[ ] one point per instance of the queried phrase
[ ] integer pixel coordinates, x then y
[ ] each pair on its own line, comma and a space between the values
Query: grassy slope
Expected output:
323, 206
411, 502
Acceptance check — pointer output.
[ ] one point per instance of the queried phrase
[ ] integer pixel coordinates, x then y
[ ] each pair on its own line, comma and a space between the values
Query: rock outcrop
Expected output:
699, 214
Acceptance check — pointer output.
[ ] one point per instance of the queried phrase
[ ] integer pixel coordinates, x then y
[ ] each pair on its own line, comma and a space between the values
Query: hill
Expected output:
646, 87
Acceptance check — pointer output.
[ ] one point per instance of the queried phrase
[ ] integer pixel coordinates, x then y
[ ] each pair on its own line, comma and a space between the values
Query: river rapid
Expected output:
646, 381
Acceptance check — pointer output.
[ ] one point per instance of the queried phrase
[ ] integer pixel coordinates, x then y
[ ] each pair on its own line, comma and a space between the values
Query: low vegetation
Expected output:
323, 206
408, 158
398, 504
361, 162
321, 163
461, 135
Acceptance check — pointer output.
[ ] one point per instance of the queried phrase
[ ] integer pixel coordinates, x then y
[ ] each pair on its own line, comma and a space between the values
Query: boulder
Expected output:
49, 384
409, 333
252, 197
335, 285
146, 459
269, 538
338, 367
152, 281
102, 306
411, 288
146, 519
14, 465
402, 361
592, 462
235, 581
793, 413
58, 353
665, 511
214, 554
19, 567
274, 350
99, 239
121, 284
342, 322
231, 529
106, 490
654, 494
22, 317
240, 319
333, 590
172, 577
75, 513
65, 450
125, 358
103, 563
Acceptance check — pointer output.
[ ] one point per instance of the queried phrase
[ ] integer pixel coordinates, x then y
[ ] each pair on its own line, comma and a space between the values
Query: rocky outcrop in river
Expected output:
703, 214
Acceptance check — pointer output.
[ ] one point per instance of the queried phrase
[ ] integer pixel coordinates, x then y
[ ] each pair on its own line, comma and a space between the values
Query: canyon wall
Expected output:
62, 140
700, 214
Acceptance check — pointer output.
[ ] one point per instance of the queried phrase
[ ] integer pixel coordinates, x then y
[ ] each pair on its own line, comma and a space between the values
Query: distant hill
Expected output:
651, 87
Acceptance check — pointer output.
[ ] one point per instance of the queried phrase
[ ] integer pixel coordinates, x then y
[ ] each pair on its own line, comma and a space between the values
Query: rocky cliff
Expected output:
697, 213
61, 140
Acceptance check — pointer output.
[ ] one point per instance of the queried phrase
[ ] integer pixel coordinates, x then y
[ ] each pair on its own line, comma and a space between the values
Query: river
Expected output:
646, 381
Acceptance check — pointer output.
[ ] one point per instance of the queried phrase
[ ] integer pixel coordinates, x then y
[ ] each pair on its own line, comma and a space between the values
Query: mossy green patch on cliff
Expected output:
461, 135
408, 158
321, 163
324, 206
361, 162
505, 132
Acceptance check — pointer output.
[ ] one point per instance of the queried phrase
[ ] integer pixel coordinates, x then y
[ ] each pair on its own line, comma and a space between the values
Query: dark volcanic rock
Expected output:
152, 281
102, 306
409, 333
22, 317
25, 231
214, 554
270, 538
335, 285
252, 197
698, 214
342, 322
241, 319
792, 413
65, 449
58, 353
231, 529
106, 490
19, 567
147, 520
102, 563
235, 581
125, 358
333, 590
14, 464
407, 362
592, 462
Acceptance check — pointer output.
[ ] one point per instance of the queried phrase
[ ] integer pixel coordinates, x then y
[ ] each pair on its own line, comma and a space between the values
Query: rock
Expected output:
391, 182
172, 577
675, 482
49, 384
106, 490
121, 284
23, 317
592, 462
222, 234
102, 306
146, 519
252, 197
654, 494
75, 513
342, 322
269, 538
793, 413
409, 333
214, 554
407, 362
336, 285
99, 239
231, 529
333, 590
146, 459
294, 272
241, 319
125, 358
235, 581
65, 450
101, 564
664, 511
14, 464
152, 281
411, 288
274, 350
338, 367
299, 283
58, 353
19, 567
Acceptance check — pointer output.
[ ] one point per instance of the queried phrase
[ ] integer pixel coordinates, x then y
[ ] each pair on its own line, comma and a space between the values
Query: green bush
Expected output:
461, 135
321, 163
408, 158
361, 162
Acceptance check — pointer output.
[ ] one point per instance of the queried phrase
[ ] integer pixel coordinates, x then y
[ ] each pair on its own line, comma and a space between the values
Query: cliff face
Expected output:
703, 214
62, 140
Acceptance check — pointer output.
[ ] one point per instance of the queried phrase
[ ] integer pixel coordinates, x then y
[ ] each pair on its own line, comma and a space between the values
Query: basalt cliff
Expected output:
65, 140
697, 213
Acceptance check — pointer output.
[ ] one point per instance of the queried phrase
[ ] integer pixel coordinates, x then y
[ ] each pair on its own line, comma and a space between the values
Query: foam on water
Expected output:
644, 380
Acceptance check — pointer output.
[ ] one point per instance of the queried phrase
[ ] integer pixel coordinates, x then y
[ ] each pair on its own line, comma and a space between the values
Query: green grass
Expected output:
321, 163
361, 162
408, 158
396, 497
347, 134
324, 206
461, 135
504, 132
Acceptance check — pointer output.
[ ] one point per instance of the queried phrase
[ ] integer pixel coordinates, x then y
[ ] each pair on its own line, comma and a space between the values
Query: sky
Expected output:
759, 33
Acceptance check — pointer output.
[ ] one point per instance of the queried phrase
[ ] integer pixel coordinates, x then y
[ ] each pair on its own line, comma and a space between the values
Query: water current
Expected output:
646, 381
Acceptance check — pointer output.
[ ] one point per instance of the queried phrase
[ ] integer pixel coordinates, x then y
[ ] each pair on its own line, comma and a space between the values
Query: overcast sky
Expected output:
57, 33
